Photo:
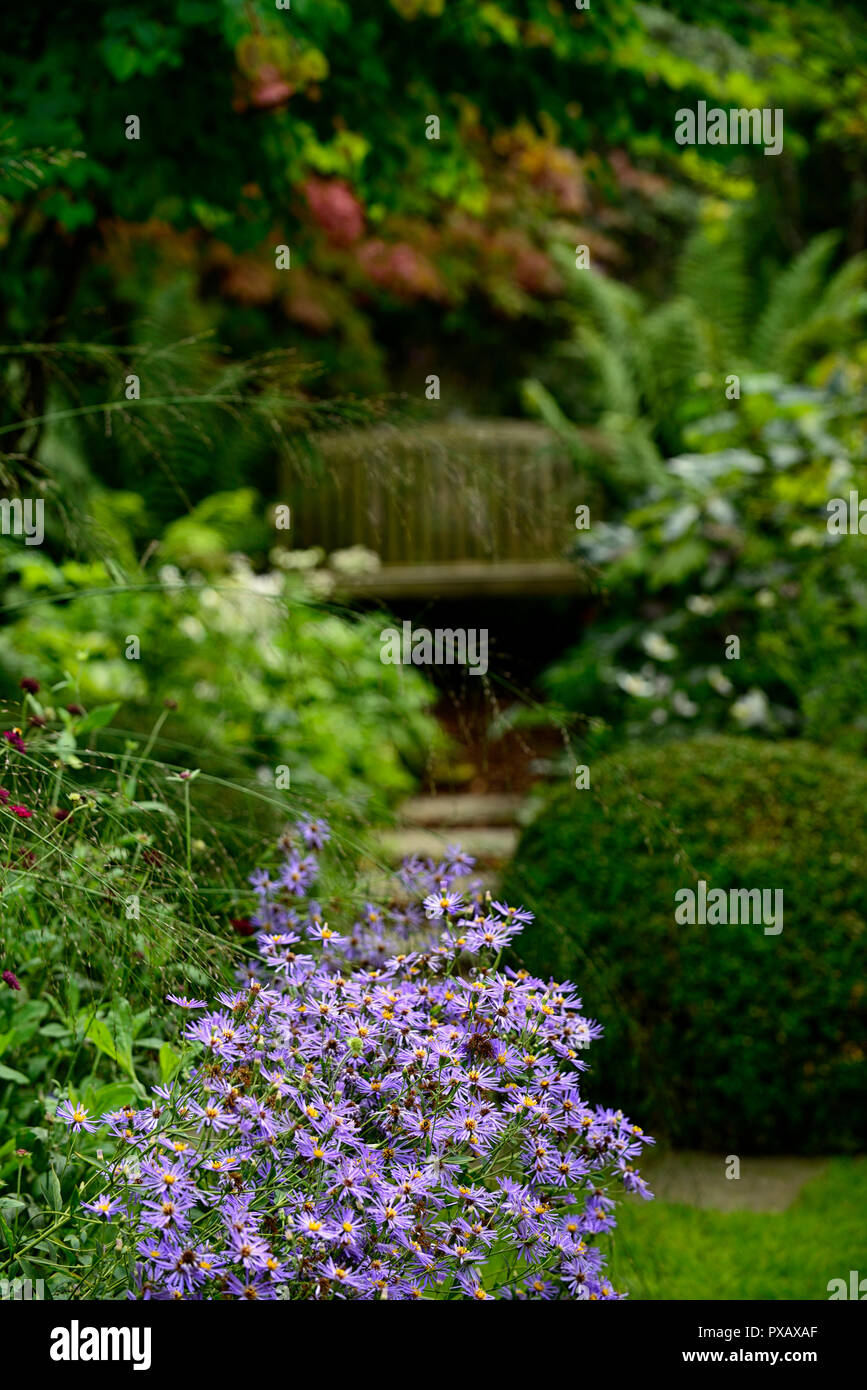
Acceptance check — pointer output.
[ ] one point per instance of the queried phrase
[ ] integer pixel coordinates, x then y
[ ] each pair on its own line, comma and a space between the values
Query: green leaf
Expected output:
111, 1097
211, 217
169, 1062
9, 1074
64, 747
7, 1235
98, 718
685, 557
121, 1023
53, 1030
120, 59
100, 1034
54, 1190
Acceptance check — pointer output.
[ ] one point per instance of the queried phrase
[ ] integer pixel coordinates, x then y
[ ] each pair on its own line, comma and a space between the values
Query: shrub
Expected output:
353, 1124
735, 539
722, 1036
265, 672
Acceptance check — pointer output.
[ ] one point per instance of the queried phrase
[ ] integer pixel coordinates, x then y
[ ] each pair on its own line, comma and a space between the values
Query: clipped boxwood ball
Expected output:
723, 1035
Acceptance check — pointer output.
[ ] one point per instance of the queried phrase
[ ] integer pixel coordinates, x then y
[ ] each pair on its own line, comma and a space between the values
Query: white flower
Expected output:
807, 535
280, 557
191, 627
683, 705
303, 559
357, 559
751, 709
658, 646
720, 683
635, 685
320, 583
766, 598
171, 576
269, 585
701, 605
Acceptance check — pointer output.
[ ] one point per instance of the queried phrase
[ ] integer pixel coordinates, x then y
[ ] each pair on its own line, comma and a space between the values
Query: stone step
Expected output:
699, 1179
489, 844
449, 809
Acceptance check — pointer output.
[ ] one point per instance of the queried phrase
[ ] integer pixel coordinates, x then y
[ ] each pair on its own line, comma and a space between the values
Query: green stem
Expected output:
154, 734
187, 824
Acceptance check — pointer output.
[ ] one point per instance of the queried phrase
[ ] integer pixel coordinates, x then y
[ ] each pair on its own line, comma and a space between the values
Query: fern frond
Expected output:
792, 301
674, 348
713, 274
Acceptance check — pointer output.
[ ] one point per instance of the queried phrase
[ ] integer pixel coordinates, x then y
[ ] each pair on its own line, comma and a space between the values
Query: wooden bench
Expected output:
482, 506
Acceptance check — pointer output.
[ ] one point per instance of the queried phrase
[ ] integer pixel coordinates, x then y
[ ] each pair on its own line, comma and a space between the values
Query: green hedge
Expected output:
720, 1037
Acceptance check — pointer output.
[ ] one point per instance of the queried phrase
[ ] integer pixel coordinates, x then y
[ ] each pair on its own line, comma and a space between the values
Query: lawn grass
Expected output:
666, 1250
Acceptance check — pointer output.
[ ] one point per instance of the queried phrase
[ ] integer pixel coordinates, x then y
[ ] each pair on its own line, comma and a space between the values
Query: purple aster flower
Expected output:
211, 1115
488, 934
314, 833
377, 1089
341, 1276
459, 862
298, 874
514, 914
473, 1288
75, 1116
441, 904
248, 1249
103, 1205
253, 1288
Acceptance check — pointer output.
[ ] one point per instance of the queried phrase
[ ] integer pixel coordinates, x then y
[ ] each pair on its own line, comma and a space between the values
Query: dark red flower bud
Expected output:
243, 926
74, 709
11, 980
30, 685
